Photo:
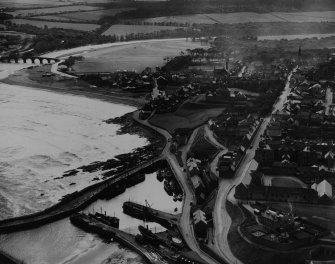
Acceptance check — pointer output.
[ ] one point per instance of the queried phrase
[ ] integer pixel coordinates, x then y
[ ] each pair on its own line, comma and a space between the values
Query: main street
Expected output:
221, 218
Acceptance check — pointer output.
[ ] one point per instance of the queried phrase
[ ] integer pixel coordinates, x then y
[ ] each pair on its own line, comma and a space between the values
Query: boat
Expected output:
113, 191
160, 175
148, 235
131, 181
108, 220
168, 188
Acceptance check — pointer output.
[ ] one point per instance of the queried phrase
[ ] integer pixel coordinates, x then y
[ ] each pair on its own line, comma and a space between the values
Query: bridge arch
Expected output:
29, 60
44, 61
36, 60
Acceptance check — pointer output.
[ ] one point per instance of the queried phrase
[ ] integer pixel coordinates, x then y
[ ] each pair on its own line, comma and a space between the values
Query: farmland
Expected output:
46, 3
132, 56
246, 17
297, 36
42, 24
32, 3
122, 30
83, 16
52, 10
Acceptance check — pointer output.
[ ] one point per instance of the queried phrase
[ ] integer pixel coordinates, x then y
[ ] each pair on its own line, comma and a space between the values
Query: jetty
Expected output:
73, 202
91, 224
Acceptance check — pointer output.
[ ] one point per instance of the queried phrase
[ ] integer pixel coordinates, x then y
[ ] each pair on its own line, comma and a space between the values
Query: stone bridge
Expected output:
31, 60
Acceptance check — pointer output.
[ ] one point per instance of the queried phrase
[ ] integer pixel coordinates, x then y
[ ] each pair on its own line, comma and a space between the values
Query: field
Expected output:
46, 3
32, 3
292, 37
187, 116
42, 24
52, 10
84, 16
132, 56
245, 17
119, 30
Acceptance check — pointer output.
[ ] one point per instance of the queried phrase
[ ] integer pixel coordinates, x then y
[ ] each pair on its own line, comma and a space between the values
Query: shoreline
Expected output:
22, 80
78, 50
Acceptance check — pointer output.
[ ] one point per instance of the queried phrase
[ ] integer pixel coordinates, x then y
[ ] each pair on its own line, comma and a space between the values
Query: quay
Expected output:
72, 203
90, 224
149, 214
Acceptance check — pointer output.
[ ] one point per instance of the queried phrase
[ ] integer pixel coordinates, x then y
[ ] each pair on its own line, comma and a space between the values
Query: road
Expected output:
222, 220
188, 191
328, 100
54, 69
223, 150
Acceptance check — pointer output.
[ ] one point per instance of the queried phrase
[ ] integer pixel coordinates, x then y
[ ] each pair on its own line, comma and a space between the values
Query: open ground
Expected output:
132, 56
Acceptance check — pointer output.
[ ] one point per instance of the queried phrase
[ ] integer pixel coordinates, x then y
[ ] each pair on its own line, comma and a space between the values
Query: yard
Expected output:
319, 214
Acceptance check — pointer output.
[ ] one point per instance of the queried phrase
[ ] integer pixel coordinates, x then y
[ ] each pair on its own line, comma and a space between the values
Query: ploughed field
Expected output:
52, 10
83, 15
42, 24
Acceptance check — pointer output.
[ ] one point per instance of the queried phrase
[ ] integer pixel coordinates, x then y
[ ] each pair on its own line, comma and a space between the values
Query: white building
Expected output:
323, 188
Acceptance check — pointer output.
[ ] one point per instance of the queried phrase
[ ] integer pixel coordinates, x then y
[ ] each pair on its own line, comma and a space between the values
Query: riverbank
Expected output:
36, 78
7, 259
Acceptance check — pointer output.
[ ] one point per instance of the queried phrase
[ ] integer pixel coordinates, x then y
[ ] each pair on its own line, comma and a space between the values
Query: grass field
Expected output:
185, 117
119, 30
289, 182
42, 24
53, 10
245, 17
132, 56
84, 16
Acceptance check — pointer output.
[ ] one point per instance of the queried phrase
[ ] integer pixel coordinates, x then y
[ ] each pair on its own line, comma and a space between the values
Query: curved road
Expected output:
222, 220
182, 177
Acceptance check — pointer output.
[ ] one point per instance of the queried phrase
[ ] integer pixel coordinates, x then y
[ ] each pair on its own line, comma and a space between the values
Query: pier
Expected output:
72, 203
92, 225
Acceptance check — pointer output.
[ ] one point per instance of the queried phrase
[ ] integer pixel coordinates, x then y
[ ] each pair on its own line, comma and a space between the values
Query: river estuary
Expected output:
44, 134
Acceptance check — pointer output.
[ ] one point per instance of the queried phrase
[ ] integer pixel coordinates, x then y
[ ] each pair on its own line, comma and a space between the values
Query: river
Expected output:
44, 134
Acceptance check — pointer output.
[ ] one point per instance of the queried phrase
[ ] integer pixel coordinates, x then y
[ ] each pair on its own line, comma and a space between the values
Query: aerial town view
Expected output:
167, 131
